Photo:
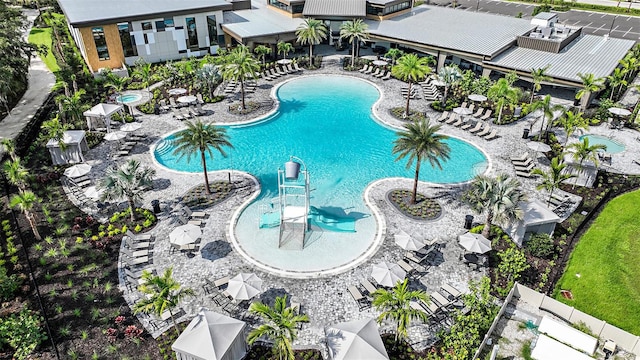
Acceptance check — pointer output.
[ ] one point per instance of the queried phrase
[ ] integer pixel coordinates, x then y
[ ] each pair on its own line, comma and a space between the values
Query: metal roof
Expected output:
383, 2
329, 8
459, 30
588, 54
259, 22
88, 12
545, 16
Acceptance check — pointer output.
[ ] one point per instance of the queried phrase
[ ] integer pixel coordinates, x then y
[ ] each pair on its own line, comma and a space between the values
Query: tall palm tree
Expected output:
630, 64
73, 106
394, 54
355, 31
311, 32
116, 82
17, 174
395, 305
503, 94
419, 142
284, 48
548, 112
411, 68
203, 138
583, 151
498, 198
26, 202
552, 179
281, 323
240, 65
570, 123
617, 79
163, 294
590, 84
129, 181
538, 76
449, 75
262, 52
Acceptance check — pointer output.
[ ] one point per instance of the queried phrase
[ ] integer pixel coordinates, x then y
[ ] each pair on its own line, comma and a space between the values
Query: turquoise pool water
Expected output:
327, 122
613, 146
129, 98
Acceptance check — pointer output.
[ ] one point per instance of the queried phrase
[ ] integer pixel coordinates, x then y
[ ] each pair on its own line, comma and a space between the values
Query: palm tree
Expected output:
284, 48
72, 106
570, 122
420, 141
498, 198
538, 76
552, 179
54, 130
240, 65
583, 151
394, 54
9, 147
202, 138
394, 305
26, 202
116, 82
163, 293
311, 32
354, 31
129, 181
281, 323
411, 68
630, 64
590, 84
548, 111
503, 94
616, 79
449, 75
208, 75
262, 51
17, 174
143, 71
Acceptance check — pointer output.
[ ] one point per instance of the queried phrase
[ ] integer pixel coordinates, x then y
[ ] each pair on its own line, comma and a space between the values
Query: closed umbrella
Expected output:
185, 234
408, 242
244, 286
538, 146
130, 127
475, 243
387, 274
77, 170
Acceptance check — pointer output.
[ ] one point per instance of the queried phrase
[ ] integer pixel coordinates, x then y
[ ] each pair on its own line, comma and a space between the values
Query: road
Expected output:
619, 26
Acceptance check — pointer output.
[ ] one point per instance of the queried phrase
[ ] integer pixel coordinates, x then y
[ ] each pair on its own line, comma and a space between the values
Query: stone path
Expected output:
325, 300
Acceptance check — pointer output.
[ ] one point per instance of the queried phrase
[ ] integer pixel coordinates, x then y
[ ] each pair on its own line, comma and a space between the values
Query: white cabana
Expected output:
538, 218
101, 115
212, 336
75, 142
355, 340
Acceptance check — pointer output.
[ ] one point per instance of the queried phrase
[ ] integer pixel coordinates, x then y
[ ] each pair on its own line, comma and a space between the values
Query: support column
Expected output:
486, 72
441, 58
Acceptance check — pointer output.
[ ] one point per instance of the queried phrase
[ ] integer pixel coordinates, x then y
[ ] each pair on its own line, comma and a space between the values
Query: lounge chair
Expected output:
464, 105
484, 131
452, 118
367, 285
443, 117
281, 71
359, 298
194, 214
370, 70
376, 73
184, 221
487, 115
268, 76
364, 68
472, 107
163, 105
139, 237
199, 109
430, 307
457, 123
172, 101
387, 77
478, 113
295, 66
522, 163
467, 125
524, 168
405, 266
455, 293
221, 282
492, 135
137, 261
136, 245
520, 158
381, 75
185, 113
199, 98
440, 300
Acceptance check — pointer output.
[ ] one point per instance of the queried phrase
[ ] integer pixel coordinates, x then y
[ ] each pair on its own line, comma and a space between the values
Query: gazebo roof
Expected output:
536, 213
208, 336
102, 110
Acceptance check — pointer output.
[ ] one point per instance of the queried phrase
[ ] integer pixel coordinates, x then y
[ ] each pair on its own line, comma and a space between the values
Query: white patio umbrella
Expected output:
408, 242
130, 127
538, 146
475, 243
359, 339
185, 234
477, 97
77, 170
115, 136
619, 111
212, 336
93, 192
244, 286
462, 111
387, 274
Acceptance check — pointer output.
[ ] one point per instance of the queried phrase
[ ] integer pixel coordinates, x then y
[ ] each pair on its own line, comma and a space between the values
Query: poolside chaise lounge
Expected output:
522, 163
452, 118
524, 174
464, 104
367, 285
136, 245
295, 66
478, 113
163, 105
369, 70
194, 214
458, 122
522, 157
376, 73
484, 131
359, 298
524, 168
184, 221
364, 68
467, 125
487, 115
443, 117
440, 300
455, 293
387, 77
382, 74
492, 135
138, 237
477, 128
471, 107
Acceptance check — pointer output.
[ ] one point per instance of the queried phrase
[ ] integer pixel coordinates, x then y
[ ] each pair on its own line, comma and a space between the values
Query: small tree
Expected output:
590, 84
72, 106
26, 202
17, 174
512, 264
552, 179
240, 65
311, 32
143, 71
503, 94
411, 68
354, 31
583, 151
395, 305
570, 123
262, 52
129, 181
284, 48
449, 75
209, 76
538, 76
548, 112
394, 54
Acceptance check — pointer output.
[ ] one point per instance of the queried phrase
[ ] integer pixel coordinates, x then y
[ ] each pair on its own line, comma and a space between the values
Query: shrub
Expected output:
8, 284
22, 332
540, 245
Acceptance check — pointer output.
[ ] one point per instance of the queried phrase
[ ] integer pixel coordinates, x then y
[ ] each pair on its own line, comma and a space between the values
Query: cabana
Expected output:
75, 142
538, 218
101, 115
357, 339
212, 336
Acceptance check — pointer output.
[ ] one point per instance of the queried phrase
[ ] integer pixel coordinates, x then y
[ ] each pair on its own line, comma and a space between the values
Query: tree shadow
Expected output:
161, 184
291, 106
215, 250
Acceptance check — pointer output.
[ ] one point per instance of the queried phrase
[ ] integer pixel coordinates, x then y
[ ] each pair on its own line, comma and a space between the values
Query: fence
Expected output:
503, 308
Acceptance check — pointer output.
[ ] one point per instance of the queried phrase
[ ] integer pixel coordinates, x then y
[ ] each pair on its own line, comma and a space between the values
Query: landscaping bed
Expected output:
197, 196
424, 209
398, 112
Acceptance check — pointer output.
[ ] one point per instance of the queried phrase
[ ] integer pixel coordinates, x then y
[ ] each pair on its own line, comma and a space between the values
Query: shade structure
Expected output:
357, 339
619, 111
77, 170
462, 111
212, 336
76, 143
387, 274
244, 286
475, 243
408, 242
477, 97
185, 234
115, 136
130, 127
93, 192
538, 146
101, 112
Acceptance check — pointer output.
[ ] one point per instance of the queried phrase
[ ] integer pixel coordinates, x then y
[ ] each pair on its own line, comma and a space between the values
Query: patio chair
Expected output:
138, 237
492, 135
359, 298
387, 77
455, 293
487, 115
430, 307
484, 131
274, 73
183, 221
440, 300
172, 101
137, 245
458, 122
381, 75
364, 68
524, 168
295, 66
524, 174
464, 105
376, 72
467, 125
185, 113
199, 98
452, 118
138, 261
369, 70
199, 109
177, 114
290, 70
163, 105
280, 71
131, 253
472, 107
527, 162
478, 113
192, 110
367, 285
522, 157
267, 76
443, 117
194, 214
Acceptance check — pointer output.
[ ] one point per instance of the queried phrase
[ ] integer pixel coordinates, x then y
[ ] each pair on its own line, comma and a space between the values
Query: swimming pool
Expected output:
613, 146
129, 98
327, 122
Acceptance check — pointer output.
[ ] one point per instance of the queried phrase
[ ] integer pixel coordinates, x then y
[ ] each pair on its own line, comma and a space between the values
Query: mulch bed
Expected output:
414, 115
197, 197
236, 108
425, 208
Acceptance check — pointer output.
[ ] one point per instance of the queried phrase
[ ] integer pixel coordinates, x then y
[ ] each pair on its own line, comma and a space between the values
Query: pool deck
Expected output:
326, 300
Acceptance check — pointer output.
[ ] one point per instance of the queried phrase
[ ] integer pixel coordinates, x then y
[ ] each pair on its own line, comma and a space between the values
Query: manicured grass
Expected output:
603, 272
42, 36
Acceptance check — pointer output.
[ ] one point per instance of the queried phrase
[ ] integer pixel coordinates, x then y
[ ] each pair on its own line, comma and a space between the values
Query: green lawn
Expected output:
604, 270
42, 36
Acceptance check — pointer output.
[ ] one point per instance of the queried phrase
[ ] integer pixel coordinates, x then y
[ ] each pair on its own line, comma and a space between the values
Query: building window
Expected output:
160, 26
297, 8
374, 10
168, 23
147, 25
213, 30
101, 43
398, 7
192, 32
279, 5
128, 41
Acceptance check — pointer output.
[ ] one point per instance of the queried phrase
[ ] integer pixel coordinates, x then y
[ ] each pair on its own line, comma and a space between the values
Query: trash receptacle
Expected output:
468, 221
525, 133
156, 206
156, 109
